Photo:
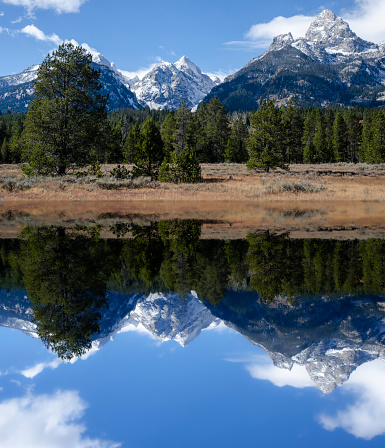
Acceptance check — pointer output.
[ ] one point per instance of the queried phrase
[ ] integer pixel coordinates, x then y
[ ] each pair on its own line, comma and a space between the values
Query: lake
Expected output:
150, 333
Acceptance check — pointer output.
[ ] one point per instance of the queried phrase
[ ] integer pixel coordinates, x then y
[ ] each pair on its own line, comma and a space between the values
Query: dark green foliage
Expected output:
267, 139
150, 155
66, 120
375, 152
340, 138
182, 167
120, 172
236, 149
293, 123
65, 274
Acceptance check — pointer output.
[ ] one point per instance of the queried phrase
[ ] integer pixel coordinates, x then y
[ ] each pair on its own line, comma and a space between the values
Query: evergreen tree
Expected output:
167, 131
375, 152
236, 149
67, 114
354, 125
132, 144
340, 139
366, 137
319, 140
308, 136
266, 139
150, 154
293, 124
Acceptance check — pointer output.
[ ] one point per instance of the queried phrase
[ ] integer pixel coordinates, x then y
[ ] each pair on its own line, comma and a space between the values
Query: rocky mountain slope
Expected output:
329, 65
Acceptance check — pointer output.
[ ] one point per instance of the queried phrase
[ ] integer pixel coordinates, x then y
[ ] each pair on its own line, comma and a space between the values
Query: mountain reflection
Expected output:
312, 303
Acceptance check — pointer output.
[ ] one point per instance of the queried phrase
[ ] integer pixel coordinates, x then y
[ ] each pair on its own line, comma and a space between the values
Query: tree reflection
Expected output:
65, 274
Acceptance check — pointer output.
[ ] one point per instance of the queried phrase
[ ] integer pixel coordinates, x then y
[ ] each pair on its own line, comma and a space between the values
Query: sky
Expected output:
218, 391
219, 36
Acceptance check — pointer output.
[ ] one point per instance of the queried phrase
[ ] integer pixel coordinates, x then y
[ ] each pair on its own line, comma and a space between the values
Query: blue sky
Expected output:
219, 36
218, 391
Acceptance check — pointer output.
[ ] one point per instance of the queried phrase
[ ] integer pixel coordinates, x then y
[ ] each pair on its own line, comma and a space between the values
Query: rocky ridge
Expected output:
329, 65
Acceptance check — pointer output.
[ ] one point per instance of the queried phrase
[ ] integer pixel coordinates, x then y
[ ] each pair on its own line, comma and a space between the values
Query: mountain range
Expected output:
330, 65
331, 337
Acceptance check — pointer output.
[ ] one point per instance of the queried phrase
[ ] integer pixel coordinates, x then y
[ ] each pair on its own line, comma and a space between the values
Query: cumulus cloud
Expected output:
33, 31
365, 18
46, 421
365, 418
60, 6
1, 13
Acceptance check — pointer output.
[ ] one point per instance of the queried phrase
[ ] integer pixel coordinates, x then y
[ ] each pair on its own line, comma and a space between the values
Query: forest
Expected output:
291, 134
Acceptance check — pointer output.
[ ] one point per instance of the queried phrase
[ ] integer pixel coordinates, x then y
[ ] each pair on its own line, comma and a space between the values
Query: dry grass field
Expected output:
339, 200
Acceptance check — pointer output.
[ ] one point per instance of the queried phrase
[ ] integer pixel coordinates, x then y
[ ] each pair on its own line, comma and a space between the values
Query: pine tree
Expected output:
67, 114
319, 140
267, 139
292, 120
340, 139
308, 136
376, 151
167, 132
366, 136
216, 132
132, 144
236, 148
150, 154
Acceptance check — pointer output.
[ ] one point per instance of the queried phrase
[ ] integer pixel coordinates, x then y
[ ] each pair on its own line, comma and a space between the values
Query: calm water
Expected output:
157, 338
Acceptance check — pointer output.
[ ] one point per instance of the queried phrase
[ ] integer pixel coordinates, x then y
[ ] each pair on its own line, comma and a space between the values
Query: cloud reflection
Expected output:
365, 418
46, 421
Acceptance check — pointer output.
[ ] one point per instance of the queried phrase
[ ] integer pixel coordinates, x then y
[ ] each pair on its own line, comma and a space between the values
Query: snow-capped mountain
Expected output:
329, 65
167, 85
164, 87
16, 91
331, 337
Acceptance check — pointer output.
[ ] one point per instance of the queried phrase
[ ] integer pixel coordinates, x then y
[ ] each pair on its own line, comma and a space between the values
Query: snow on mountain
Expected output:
16, 91
328, 39
166, 85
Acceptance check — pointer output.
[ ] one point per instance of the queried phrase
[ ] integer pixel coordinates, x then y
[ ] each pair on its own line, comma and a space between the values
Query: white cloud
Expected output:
365, 418
1, 13
46, 421
38, 368
262, 368
365, 19
60, 6
33, 31
296, 25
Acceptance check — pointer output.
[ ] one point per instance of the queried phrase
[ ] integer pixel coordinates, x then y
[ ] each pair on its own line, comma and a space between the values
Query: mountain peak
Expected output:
327, 28
281, 41
326, 14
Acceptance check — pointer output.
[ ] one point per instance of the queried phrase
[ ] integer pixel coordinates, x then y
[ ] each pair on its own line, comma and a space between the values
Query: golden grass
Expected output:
319, 200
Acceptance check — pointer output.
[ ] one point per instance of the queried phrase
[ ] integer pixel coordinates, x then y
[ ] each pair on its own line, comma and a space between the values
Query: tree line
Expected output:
67, 127
271, 135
